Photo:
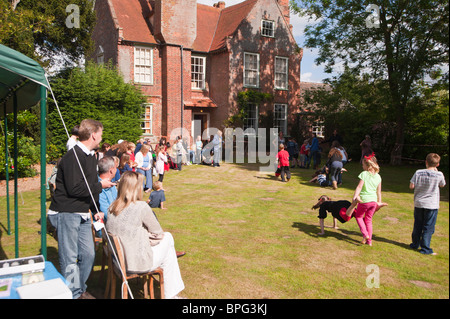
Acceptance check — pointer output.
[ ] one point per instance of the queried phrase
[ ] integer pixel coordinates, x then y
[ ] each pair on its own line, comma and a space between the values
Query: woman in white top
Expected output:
146, 246
161, 158
144, 160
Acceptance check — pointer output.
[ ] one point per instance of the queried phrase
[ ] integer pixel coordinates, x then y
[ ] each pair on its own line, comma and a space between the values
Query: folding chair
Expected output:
117, 267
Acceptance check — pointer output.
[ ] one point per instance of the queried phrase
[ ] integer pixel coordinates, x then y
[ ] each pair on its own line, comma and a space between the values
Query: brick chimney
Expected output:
175, 21
284, 6
220, 5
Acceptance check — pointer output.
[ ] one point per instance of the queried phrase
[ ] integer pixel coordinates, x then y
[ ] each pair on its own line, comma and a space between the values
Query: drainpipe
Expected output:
182, 99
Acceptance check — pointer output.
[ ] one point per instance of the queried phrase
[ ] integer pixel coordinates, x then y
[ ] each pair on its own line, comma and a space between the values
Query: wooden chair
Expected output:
117, 268
97, 241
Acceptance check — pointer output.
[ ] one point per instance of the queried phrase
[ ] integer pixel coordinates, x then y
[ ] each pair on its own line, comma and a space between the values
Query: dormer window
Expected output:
268, 28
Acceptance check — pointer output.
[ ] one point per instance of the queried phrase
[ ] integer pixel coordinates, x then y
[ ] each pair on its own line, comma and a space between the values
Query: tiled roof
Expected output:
214, 25
207, 18
229, 20
132, 18
203, 102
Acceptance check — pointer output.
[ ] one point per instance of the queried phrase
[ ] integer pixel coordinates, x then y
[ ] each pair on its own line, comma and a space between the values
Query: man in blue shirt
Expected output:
106, 171
315, 151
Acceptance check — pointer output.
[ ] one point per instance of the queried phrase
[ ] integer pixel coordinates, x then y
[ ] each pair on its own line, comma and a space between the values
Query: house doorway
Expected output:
200, 126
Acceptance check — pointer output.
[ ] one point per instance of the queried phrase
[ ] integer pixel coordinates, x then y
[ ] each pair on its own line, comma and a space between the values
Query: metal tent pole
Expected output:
16, 174
7, 172
43, 171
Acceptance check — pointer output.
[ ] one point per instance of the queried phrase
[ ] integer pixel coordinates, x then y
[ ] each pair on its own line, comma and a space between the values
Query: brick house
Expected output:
191, 60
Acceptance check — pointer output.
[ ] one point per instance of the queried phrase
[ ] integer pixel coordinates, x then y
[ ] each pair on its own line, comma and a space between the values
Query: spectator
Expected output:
75, 195
146, 246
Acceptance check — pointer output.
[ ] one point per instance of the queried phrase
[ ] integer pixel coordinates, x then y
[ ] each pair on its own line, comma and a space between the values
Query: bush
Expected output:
28, 155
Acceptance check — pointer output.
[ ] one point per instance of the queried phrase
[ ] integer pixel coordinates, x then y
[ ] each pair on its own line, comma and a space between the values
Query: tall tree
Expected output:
399, 41
44, 30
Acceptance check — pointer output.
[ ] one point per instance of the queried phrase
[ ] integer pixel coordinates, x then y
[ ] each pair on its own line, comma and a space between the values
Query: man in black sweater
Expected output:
77, 188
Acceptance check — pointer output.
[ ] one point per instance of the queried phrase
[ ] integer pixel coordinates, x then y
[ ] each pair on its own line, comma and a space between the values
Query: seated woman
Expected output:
146, 246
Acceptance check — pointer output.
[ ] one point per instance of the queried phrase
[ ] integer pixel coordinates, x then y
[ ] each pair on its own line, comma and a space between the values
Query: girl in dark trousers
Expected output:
337, 209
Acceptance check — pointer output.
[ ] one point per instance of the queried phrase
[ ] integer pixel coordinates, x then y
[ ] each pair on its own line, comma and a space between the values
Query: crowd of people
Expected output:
108, 183
309, 154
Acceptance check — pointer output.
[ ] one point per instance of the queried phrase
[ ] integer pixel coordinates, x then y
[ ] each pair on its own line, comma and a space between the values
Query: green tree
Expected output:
399, 41
100, 93
43, 30
18, 27
357, 106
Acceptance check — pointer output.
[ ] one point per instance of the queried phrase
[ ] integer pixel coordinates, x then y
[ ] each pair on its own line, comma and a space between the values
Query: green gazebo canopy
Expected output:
21, 74
22, 85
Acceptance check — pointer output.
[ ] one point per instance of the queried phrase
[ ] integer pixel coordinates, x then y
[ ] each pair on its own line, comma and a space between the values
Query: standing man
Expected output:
72, 200
315, 151
217, 143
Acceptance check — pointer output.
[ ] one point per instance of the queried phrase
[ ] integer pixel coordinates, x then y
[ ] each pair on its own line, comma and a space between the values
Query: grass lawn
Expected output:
248, 235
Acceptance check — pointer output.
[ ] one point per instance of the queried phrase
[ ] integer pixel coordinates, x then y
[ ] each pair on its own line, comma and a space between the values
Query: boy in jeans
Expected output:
426, 183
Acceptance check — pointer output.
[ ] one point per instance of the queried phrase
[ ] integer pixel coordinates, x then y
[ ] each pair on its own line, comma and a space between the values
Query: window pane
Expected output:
281, 73
197, 72
251, 69
143, 68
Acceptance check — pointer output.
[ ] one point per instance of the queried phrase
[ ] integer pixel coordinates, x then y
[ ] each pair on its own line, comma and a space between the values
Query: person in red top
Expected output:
303, 154
283, 160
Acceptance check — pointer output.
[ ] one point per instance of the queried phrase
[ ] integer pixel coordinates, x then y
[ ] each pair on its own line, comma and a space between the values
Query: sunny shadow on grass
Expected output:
248, 235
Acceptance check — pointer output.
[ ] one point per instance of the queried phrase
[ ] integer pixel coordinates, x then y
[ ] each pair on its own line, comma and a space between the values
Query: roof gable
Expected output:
214, 24
132, 17
207, 18
229, 20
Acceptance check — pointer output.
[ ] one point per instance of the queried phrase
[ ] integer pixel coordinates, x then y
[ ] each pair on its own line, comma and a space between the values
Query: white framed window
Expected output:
280, 117
100, 56
318, 129
143, 65
147, 119
251, 120
251, 69
267, 28
281, 73
198, 66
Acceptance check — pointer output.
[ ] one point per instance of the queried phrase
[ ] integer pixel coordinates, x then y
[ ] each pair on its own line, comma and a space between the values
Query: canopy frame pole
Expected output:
7, 172
43, 171
16, 174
